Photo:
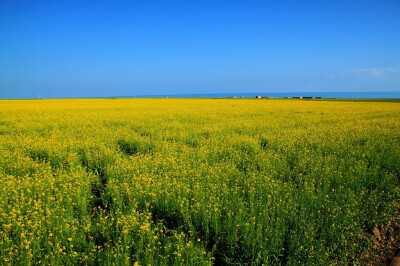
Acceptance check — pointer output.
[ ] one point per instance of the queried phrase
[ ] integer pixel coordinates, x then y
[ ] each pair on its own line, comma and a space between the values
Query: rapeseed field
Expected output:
195, 181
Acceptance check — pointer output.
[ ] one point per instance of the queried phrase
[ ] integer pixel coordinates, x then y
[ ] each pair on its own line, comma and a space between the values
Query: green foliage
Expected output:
135, 146
195, 182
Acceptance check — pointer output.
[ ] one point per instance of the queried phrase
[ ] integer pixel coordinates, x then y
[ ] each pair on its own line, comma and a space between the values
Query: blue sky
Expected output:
122, 48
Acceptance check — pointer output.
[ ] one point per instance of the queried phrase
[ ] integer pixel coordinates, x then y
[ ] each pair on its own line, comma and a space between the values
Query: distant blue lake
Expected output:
352, 95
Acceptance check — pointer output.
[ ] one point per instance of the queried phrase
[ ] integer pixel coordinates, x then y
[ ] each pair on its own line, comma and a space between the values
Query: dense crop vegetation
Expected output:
192, 181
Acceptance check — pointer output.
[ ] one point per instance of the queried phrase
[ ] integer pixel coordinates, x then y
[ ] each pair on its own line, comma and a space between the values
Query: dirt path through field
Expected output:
386, 245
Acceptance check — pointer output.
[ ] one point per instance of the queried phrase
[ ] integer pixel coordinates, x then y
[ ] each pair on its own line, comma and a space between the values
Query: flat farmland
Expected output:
195, 181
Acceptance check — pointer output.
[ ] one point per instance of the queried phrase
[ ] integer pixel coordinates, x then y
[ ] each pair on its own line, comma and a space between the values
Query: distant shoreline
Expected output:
340, 95
323, 95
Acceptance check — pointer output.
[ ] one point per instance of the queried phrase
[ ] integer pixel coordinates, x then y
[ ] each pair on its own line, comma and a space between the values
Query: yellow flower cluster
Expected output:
195, 181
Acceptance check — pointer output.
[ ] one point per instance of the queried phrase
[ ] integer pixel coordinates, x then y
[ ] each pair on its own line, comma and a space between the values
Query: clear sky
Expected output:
123, 48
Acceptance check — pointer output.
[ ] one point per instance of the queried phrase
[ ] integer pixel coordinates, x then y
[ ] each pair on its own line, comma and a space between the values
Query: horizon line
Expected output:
223, 95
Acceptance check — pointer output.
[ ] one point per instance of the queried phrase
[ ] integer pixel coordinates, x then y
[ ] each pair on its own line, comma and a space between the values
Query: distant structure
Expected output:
265, 97
305, 97
258, 97
241, 97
